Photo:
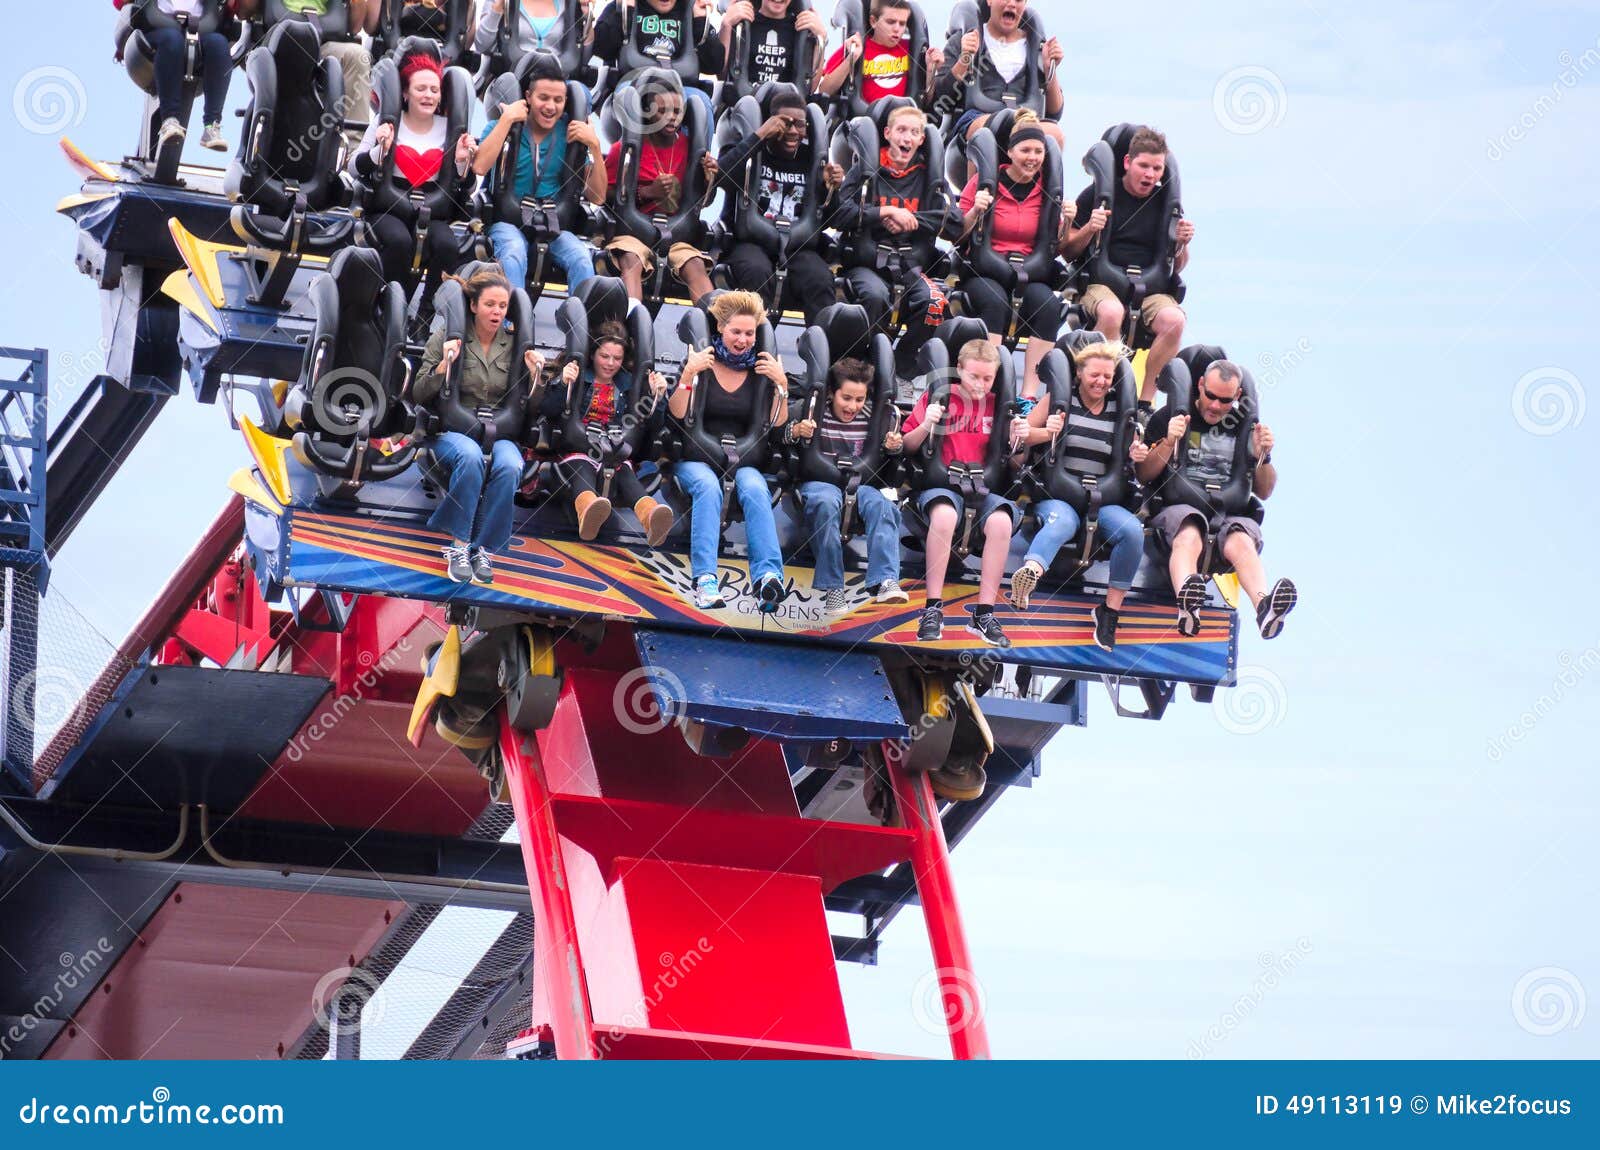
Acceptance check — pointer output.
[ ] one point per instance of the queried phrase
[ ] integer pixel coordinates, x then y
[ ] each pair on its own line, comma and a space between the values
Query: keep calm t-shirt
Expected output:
772, 48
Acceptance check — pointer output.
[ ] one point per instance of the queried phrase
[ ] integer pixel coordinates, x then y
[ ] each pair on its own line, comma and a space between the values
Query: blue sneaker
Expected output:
708, 594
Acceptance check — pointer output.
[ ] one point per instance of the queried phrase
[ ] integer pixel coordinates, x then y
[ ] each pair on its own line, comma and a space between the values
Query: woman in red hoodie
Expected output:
1016, 203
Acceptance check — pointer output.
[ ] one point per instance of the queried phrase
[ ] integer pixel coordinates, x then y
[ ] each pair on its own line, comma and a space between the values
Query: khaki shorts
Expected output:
1096, 294
677, 255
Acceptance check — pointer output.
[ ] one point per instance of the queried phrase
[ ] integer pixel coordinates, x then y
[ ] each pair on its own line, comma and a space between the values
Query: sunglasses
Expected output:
1224, 400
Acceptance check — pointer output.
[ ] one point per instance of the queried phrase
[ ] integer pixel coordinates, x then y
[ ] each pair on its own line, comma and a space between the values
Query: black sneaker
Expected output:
482, 566
770, 592
932, 625
456, 565
1191, 597
1274, 605
1105, 627
987, 628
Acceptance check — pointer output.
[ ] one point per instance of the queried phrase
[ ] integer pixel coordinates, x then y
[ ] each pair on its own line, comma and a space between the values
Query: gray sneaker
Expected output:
890, 591
482, 565
170, 130
456, 565
211, 137
833, 601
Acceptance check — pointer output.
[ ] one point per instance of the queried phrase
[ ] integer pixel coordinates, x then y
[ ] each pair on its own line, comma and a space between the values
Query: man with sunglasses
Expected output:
778, 187
1213, 443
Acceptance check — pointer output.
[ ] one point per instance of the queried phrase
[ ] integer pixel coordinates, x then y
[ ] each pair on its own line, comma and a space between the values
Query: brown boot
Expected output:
655, 518
593, 512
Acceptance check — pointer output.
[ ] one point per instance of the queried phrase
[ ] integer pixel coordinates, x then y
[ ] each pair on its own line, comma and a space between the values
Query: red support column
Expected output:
958, 985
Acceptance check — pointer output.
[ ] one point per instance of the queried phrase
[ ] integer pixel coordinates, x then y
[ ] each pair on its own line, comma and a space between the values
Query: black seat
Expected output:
352, 386
1014, 271
1104, 163
503, 56
843, 331
1045, 475
447, 26
737, 81
742, 219
135, 24
661, 230
447, 412
334, 24
1180, 380
288, 162
540, 220
850, 18
936, 365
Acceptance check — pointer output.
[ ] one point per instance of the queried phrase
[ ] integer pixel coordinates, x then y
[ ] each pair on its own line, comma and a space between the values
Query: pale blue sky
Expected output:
1408, 263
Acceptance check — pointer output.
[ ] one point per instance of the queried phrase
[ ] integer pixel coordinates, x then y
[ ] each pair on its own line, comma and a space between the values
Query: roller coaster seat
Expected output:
446, 196
598, 301
334, 24
850, 17
987, 151
540, 219
447, 412
984, 90
742, 219
739, 78
355, 376
1180, 381
288, 161
136, 25
861, 142
506, 52
658, 231
447, 26
690, 440
926, 468
1104, 163
1046, 475
842, 331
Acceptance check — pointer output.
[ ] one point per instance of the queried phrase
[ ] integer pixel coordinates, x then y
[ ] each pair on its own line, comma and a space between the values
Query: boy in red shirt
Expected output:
886, 65
968, 422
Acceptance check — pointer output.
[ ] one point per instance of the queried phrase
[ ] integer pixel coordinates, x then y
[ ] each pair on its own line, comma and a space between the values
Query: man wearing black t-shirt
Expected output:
778, 188
1212, 438
775, 30
1133, 226
659, 29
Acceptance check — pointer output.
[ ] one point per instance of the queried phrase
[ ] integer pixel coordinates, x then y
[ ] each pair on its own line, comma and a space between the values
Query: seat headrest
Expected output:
848, 330
544, 59
358, 273
961, 329
604, 297
1199, 357
296, 48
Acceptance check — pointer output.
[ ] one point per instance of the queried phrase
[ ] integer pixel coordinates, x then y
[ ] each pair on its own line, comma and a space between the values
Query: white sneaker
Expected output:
890, 591
708, 594
170, 130
211, 137
833, 601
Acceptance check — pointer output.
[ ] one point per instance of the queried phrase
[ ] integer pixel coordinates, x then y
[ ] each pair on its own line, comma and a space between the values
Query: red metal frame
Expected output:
643, 855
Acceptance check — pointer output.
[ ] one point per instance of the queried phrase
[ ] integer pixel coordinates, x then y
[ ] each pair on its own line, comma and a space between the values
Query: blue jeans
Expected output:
1058, 524
215, 69
472, 509
704, 488
991, 504
824, 504
569, 252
